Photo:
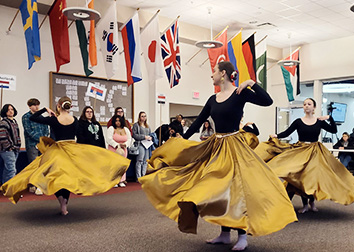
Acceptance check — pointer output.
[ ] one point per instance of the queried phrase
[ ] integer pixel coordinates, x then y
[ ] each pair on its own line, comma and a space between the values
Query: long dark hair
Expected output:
209, 128
83, 114
121, 120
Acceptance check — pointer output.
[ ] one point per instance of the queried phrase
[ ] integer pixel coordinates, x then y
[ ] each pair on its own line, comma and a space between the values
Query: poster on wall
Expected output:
8, 82
101, 94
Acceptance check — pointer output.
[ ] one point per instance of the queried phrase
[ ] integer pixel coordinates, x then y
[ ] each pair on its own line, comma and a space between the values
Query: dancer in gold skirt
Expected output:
66, 166
308, 167
220, 179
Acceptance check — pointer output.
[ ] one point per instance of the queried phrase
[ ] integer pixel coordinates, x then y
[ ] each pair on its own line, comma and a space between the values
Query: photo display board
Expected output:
101, 94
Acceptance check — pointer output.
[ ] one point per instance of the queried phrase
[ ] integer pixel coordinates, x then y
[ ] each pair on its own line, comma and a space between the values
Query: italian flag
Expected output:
291, 76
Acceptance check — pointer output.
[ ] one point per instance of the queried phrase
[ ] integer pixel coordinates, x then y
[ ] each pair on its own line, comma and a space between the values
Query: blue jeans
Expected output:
9, 158
32, 153
345, 159
141, 164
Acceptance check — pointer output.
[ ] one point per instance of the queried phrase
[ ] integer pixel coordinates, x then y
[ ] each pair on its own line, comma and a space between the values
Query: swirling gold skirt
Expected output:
220, 179
80, 168
311, 168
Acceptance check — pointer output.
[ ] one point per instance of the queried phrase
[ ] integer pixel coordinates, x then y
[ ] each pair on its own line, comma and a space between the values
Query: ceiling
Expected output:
285, 22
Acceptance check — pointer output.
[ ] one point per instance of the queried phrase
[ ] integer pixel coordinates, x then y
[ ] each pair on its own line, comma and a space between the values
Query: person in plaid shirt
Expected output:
33, 131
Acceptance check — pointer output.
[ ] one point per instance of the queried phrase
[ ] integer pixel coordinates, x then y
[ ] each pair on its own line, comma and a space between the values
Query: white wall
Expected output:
323, 60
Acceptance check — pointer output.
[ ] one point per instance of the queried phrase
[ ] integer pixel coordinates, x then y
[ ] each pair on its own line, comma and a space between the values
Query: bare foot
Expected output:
304, 209
223, 238
313, 207
63, 205
241, 243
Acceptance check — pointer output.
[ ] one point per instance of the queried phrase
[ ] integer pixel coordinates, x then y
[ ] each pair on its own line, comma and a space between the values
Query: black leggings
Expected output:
228, 229
304, 199
64, 193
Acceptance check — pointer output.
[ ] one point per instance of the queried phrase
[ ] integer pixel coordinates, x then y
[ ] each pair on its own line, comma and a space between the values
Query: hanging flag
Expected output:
132, 49
151, 47
261, 63
29, 13
249, 54
170, 53
60, 35
107, 31
81, 33
217, 55
291, 75
92, 37
237, 59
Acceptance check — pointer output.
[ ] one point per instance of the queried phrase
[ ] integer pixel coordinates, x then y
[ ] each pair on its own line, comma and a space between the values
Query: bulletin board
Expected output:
83, 92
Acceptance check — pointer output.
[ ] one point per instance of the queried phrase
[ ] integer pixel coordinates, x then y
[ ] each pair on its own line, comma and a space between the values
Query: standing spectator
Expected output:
141, 131
207, 131
345, 143
10, 141
120, 112
118, 139
185, 128
33, 131
89, 131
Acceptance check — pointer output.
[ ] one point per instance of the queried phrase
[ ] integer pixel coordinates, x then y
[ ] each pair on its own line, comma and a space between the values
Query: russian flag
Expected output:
132, 49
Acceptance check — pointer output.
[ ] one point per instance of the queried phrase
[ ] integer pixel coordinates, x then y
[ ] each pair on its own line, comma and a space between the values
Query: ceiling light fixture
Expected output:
352, 8
338, 88
209, 44
81, 13
289, 62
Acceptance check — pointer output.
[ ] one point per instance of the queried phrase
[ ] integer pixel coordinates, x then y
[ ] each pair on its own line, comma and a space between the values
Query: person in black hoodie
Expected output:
89, 130
343, 144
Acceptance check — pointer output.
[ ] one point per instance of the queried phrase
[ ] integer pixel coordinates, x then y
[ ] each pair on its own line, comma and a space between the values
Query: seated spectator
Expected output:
345, 143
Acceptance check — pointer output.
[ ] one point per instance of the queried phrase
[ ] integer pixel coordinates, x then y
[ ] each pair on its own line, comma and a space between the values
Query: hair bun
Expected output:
66, 105
233, 75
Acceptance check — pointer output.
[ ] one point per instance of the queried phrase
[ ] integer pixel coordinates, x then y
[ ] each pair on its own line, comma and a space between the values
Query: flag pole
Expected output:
261, 40
160, 141
2, 95
72, 21
202, 48
43, 21
149, 21
168, 27
13, 20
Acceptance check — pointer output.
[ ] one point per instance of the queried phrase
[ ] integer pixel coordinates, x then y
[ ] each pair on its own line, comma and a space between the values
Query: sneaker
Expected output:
32, 189
38, 192
121, 184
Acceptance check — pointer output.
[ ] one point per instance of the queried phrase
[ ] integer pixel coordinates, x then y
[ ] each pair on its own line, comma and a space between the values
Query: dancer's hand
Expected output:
243, 85
50, 112
323, 118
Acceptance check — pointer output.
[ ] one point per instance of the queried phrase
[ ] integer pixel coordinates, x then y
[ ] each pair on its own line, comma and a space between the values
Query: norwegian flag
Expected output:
171, 54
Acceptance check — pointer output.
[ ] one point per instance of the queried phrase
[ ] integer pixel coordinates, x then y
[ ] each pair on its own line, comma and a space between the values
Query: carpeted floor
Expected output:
127, 222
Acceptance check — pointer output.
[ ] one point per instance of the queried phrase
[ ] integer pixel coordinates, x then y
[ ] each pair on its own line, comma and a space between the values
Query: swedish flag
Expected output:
29, 13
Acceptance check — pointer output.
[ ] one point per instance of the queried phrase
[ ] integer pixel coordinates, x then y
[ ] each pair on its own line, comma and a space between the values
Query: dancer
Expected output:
221, 179
308, 167
66, 166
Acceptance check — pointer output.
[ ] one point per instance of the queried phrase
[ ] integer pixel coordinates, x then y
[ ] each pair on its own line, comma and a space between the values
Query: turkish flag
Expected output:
217, 55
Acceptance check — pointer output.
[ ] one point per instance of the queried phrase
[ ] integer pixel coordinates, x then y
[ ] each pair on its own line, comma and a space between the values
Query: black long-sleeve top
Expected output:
61, 132
309, 133
227, 114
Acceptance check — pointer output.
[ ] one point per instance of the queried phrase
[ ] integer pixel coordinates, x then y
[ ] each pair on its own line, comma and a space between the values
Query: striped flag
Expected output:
96, 91
249, 54
107, 31
170, 53
92, 37
291, 75
237, 59
132, 49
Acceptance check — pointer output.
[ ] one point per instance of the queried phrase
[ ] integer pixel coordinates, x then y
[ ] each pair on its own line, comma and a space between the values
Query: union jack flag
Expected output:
171, 55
